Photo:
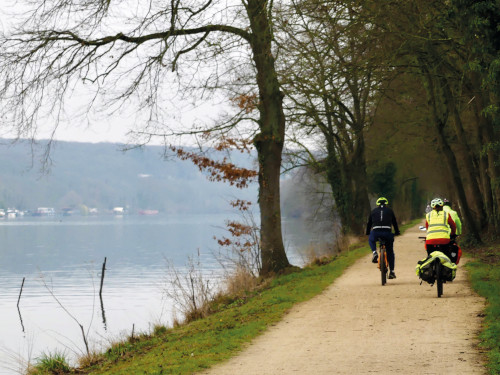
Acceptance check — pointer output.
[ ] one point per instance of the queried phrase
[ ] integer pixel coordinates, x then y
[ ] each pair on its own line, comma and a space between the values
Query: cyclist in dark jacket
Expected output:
380, 223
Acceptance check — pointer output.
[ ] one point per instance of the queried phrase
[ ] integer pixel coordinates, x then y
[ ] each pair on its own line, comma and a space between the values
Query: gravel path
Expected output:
357, 326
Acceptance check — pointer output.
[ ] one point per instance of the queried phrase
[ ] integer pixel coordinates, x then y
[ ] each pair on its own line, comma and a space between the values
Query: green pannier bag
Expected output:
425, 270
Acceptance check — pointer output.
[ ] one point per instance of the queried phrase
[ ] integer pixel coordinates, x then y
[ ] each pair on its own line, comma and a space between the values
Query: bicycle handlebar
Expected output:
423, 238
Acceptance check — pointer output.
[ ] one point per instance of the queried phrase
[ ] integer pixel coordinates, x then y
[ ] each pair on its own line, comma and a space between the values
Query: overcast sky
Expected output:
112, 130
104, 129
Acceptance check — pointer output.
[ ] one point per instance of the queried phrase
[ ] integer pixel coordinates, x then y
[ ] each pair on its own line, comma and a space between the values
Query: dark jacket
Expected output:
382, 218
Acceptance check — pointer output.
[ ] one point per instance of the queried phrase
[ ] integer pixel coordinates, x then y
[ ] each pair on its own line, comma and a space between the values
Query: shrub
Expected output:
51, 364
89, 359
190, 290
241, 280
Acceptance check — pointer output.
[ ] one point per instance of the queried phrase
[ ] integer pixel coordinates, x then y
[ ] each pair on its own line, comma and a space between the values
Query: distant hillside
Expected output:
101, 176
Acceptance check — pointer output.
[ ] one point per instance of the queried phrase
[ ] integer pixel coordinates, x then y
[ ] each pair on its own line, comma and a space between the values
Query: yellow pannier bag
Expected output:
425, 270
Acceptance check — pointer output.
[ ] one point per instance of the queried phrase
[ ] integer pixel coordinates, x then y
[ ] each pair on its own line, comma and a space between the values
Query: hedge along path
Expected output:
358, 326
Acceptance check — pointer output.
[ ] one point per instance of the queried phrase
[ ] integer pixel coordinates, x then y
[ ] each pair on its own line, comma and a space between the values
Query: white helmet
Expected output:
437, 202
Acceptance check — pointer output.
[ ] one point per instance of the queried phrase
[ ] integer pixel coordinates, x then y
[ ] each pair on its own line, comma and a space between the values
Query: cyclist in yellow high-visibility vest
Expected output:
455, 250
440, 226
454, 215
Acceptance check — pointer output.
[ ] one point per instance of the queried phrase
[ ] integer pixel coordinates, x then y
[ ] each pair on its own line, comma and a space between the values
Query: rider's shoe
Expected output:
392, 275
375, 257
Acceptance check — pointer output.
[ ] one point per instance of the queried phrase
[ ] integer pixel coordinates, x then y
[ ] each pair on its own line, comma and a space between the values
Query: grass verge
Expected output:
201, 344
484, 274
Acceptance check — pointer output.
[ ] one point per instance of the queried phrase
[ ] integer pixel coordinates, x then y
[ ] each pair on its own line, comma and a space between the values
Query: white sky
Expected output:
114, 128
111, 130
105, 128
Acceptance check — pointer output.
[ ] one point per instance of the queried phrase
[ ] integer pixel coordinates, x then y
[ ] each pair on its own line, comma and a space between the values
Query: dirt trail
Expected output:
357, 326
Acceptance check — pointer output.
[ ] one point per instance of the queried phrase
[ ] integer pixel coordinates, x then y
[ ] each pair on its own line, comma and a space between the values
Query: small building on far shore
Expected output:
44, 211
118, 210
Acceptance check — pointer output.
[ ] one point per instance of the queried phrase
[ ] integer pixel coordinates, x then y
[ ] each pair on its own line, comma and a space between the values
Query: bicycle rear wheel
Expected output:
383, 265
439, 278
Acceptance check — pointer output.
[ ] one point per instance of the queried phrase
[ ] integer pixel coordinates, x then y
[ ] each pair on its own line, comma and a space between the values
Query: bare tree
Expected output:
126, 53
331, 84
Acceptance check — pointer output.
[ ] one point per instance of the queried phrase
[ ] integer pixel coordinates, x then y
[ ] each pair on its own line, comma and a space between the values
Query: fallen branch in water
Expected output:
102, 277
68, 312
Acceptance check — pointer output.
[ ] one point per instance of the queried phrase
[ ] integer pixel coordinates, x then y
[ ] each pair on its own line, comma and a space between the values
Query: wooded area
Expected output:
99, 176
396, 98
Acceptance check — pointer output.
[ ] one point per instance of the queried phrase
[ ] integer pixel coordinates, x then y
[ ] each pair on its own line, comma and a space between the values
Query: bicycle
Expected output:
383, 265
437, 267
439, 279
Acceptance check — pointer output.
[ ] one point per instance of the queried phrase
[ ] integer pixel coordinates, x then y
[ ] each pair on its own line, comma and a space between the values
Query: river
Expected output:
61, 258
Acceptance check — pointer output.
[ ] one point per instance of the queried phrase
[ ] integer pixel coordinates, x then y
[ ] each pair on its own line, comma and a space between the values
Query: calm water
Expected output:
61, 261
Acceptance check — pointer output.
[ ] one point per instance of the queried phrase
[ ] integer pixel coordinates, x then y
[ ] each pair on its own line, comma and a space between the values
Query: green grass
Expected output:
485, 279
51, 364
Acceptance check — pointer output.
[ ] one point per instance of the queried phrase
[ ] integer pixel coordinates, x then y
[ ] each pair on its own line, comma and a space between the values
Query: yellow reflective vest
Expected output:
438, 225
456, 219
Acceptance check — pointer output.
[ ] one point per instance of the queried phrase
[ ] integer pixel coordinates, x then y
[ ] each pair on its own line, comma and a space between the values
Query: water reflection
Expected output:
103, 313
20, 318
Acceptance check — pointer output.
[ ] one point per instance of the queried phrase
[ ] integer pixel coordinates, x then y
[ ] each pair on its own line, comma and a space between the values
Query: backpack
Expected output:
425, 269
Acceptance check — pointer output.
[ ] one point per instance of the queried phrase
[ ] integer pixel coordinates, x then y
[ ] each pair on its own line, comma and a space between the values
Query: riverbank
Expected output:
204, 343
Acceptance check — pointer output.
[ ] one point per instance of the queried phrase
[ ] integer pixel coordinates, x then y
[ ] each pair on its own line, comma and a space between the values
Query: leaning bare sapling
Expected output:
191, 289
85, 333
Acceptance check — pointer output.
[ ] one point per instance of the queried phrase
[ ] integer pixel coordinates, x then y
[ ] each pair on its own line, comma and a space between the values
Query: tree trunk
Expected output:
455, 175
273, 254
494, 172
349, 188
469, 170
489, 156
341, 190
440, 114
361, 203
483, 165
269, 142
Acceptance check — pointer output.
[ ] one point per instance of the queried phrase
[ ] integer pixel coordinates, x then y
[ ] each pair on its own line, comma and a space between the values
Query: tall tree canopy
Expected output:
331, 78
431, 42
346, 56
